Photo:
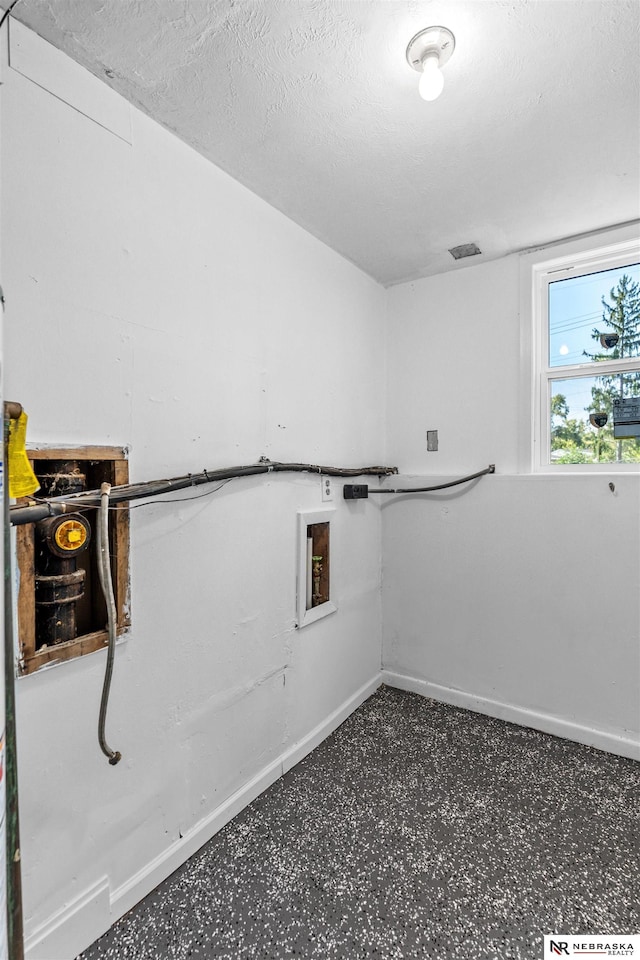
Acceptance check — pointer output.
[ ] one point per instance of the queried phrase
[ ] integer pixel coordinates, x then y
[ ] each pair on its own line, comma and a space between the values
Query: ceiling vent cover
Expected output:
465, 250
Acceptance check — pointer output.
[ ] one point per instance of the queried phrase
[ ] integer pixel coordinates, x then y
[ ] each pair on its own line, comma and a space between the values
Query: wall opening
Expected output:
318, 559
315, 592
61, 610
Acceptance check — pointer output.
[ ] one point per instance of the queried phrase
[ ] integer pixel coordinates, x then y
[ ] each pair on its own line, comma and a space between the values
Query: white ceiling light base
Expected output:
433, 41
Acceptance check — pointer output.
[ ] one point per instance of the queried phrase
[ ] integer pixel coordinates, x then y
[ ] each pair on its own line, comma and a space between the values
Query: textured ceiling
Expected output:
311, 104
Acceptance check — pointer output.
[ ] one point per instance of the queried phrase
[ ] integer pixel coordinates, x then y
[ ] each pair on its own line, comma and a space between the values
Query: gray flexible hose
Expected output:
438, 486
106, 582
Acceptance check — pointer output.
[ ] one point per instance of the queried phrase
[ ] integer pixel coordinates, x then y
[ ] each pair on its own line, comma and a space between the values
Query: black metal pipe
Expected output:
136, 491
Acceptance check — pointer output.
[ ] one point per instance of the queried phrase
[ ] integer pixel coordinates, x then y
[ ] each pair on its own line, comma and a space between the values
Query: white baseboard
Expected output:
74, 927
153, 873
546, 722
299, 750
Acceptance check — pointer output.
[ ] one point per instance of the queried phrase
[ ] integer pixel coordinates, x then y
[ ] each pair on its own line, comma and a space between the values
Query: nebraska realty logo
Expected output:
591, 945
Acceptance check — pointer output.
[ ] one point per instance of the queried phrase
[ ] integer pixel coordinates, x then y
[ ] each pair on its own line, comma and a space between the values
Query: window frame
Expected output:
603, 251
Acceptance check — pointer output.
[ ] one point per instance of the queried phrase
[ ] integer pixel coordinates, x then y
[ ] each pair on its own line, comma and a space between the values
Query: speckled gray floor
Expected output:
418, 830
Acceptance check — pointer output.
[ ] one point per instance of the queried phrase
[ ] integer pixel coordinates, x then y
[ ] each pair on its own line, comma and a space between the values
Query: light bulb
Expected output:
431, 81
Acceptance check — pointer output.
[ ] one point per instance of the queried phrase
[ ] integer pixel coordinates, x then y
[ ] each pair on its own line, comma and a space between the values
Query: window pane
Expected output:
574, 439
578, 317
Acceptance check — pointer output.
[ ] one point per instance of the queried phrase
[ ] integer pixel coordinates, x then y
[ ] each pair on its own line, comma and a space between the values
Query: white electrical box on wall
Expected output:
315, 598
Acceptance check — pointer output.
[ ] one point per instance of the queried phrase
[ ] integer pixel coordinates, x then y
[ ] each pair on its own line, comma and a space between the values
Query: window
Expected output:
586, 357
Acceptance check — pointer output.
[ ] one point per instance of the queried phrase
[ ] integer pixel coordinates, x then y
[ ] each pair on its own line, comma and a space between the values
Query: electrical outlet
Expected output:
327, 489
432, 440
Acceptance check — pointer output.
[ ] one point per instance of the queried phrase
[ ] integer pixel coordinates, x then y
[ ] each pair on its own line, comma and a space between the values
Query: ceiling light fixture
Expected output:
427, 52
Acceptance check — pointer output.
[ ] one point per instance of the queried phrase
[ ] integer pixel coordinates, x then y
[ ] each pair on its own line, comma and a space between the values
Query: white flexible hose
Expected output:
106, 582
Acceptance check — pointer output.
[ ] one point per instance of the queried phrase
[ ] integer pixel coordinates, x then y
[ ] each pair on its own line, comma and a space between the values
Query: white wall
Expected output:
154, 302
517, 596
453, 362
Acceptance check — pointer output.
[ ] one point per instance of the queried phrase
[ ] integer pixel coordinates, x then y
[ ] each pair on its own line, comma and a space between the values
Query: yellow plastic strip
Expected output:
22, 479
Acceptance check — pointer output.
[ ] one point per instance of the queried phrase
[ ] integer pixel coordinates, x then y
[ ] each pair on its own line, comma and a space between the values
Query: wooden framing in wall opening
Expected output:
316, 597
318, 534
100, 464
